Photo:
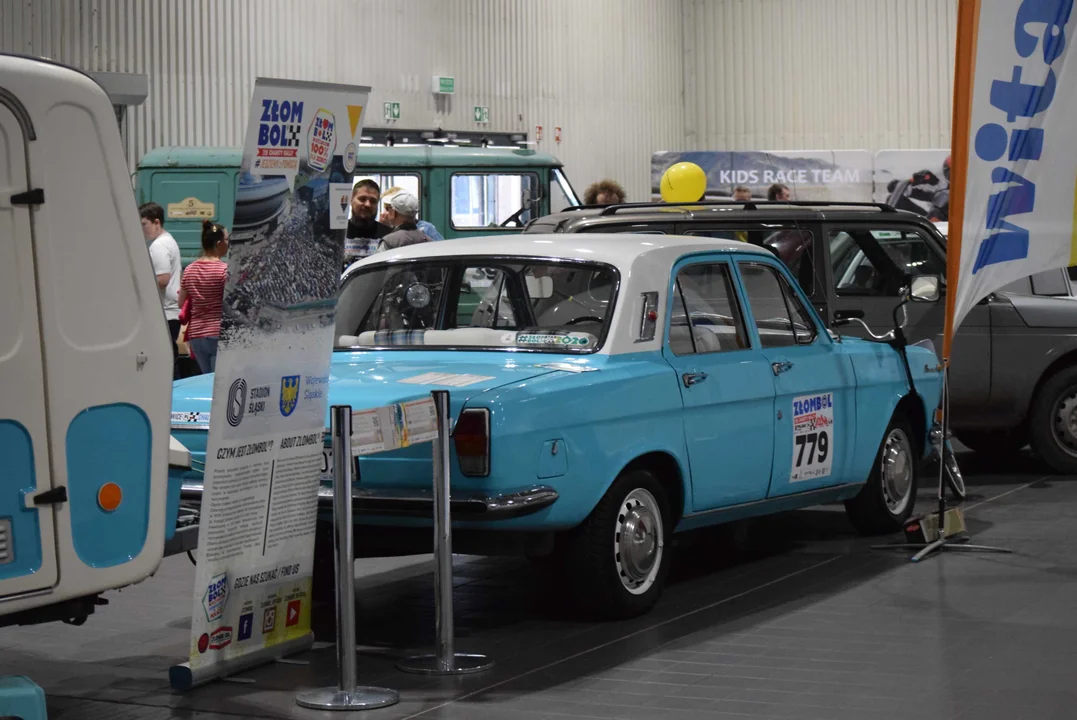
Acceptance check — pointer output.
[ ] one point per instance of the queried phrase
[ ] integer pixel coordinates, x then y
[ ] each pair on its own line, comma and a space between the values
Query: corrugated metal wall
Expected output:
608, 72
818, 74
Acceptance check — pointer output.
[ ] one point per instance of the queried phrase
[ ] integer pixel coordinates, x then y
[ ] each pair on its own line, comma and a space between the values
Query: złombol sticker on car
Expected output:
571, 340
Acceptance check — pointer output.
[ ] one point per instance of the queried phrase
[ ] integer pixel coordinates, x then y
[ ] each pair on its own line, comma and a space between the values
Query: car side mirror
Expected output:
924, 288
540, 288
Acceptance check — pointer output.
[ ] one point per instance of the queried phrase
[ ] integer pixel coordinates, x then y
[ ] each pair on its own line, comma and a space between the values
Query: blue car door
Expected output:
725, 384
814, 384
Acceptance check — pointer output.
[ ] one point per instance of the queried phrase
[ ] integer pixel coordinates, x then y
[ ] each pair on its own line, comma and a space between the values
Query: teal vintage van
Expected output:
462, 191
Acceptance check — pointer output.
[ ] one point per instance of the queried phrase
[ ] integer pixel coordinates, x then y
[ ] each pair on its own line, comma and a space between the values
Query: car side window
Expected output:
803, 325
856, 274
484, 300
793, 246
706, 317
780, 318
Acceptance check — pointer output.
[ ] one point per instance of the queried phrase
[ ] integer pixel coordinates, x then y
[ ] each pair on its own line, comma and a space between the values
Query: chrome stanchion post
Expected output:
445, 660
347, 695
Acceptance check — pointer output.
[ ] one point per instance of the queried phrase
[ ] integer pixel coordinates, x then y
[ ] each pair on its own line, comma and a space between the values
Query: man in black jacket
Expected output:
364, 230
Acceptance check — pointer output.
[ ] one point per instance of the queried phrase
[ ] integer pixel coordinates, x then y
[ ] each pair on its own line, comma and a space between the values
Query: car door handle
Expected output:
691, 379
846, 314
780, 367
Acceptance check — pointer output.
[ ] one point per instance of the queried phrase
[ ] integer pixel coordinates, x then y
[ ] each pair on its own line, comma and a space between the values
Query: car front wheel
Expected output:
617, 559
886, 500
1053, 422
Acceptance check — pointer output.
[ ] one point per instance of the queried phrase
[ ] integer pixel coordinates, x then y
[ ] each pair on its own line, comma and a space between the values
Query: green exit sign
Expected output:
481, 114
392, 110
442, 85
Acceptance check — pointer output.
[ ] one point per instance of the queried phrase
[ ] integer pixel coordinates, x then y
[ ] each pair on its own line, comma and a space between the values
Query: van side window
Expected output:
493, 200
411, 182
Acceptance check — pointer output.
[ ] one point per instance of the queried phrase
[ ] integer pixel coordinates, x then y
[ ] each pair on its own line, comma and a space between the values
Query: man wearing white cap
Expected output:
402, 213
386, 203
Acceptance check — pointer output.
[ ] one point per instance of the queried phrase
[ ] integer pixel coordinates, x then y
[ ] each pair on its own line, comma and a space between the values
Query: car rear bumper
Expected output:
420, 503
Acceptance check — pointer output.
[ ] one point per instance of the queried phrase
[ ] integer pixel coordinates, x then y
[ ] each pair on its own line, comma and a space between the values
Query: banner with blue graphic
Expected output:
1019, 178
265, 449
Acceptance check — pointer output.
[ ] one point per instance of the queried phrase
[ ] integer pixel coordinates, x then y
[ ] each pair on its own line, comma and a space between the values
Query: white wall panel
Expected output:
609, 72
818, 74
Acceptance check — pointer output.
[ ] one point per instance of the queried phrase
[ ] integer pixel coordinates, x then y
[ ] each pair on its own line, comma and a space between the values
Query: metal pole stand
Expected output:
346, 695
942, 543
445, 660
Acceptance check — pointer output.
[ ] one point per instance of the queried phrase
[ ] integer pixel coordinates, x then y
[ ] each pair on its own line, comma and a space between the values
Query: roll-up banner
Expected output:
264, 454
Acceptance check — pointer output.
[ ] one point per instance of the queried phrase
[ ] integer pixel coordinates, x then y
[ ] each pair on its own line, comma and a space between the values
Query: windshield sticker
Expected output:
193, 418
567, 340
450, 379
813, 437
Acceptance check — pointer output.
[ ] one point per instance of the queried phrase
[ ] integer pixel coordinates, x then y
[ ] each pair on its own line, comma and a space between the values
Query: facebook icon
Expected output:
246, 626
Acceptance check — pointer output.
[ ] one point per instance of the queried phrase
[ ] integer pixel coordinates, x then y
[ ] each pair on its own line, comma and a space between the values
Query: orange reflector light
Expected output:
109, 496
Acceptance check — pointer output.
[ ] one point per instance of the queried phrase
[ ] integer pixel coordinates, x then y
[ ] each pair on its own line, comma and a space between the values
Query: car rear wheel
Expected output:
617, 559
1053, 423
887, 499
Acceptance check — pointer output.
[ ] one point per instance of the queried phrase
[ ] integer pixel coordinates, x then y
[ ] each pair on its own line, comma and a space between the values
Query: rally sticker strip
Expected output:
570, 340
813, 437
450, 379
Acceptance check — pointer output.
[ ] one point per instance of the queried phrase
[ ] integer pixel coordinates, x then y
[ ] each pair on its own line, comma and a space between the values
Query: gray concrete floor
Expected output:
802, 621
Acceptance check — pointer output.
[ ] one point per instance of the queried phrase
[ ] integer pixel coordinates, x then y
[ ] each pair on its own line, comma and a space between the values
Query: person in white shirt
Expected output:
167, 266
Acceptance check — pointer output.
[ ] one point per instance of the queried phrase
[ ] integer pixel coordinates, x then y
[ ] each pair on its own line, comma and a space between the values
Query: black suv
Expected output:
1014, 366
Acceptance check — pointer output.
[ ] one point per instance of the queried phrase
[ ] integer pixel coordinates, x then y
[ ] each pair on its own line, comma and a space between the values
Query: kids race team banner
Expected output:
814, 174
913, 180
1015, 103
252, 594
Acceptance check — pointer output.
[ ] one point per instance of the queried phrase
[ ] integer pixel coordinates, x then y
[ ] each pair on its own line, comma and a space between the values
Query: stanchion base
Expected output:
461, 664
941, 545
361, 698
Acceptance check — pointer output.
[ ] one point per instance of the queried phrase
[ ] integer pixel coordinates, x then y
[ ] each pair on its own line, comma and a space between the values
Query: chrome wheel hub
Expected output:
638, 541
897, 471
1065, 423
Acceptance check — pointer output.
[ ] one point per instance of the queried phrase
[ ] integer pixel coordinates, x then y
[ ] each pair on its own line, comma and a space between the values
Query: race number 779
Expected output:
817, 445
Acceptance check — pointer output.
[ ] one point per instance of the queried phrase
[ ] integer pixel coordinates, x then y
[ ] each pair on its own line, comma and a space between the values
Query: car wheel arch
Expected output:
667, 469
912, 407
1067, 359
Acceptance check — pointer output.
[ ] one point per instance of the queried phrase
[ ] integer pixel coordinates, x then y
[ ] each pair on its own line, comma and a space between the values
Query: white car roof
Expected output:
618, 249
643, 260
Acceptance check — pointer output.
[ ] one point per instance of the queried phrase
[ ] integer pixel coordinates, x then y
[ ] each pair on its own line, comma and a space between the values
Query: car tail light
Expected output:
472, 439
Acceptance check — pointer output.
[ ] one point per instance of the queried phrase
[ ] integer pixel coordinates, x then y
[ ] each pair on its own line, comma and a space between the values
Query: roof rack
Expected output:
743, 204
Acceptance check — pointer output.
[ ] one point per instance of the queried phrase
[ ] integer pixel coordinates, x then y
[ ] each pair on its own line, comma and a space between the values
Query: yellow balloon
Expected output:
683, 182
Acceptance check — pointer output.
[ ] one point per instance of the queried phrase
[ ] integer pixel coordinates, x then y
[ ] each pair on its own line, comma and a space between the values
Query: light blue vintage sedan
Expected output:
606, 392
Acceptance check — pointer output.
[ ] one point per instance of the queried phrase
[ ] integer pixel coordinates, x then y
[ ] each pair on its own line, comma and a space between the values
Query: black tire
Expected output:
996, 444
878, 509
1057, 397
595, 568
954, 477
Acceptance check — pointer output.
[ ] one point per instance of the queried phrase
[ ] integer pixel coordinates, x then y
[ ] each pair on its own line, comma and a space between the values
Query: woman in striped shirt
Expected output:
203, 282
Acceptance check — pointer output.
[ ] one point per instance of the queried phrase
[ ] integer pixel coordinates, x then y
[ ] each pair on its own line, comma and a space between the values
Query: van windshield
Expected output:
478, 303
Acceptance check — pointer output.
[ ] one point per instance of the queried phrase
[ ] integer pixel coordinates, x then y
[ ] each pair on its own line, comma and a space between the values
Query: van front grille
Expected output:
7, 553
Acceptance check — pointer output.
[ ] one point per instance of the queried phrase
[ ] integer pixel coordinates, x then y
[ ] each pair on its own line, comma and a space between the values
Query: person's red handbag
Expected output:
185, 312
